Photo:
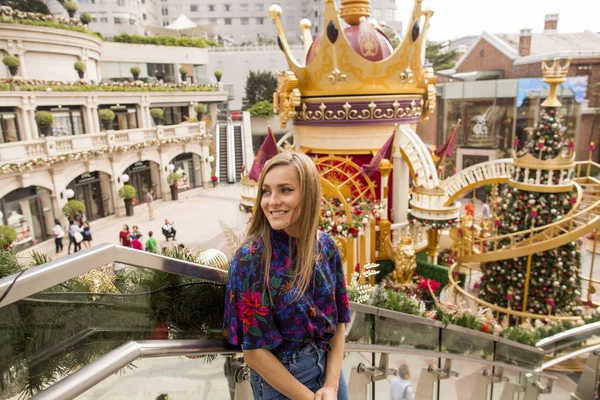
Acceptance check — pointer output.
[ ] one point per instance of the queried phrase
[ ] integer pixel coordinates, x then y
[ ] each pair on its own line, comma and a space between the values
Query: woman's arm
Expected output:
335, 357
272, 371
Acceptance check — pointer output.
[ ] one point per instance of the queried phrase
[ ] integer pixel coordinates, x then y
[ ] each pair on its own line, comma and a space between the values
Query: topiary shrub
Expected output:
70, 209
157, 114
200, 110
127, 192
218, 75
85, 18
11, 61
44, 118
8, 234
135, 71
183, 70
79, 66
106, 115
262, 109
173, 178
70, 6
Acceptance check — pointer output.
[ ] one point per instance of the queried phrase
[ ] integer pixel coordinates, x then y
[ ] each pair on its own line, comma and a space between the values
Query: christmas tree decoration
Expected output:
540, 192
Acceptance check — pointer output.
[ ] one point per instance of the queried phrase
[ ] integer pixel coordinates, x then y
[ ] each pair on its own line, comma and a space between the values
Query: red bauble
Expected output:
485, 327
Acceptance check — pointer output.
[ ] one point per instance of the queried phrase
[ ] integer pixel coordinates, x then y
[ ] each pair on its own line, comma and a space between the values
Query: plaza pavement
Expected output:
196, 215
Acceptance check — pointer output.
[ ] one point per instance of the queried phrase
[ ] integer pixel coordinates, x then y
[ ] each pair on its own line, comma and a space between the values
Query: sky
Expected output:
457, 18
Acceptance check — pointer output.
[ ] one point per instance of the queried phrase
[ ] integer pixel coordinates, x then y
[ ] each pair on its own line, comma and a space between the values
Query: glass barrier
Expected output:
52, 334
411, 332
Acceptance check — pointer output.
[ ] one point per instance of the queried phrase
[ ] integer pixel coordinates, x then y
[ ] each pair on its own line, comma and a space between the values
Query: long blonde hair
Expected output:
309, 207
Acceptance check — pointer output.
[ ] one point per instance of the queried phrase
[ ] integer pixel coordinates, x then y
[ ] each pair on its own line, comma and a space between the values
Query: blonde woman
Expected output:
286, 301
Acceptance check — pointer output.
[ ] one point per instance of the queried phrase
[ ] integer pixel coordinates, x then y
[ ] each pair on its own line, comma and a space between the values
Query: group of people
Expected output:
79, 231
133, 239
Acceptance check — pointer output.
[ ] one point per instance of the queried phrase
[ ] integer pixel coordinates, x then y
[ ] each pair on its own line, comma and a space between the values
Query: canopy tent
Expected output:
183, 26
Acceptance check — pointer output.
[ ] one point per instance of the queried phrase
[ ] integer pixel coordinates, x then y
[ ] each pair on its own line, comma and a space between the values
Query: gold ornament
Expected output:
405, 259
99, 281
213, 258
287, 97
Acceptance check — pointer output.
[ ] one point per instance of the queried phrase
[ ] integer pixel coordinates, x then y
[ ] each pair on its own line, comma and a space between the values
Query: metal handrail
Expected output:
559, 337
568, 356
44, 276
94, 373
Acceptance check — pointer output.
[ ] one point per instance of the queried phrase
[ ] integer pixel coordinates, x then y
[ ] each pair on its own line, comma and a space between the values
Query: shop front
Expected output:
93, 190
125, 116
29, 211
188, 166
144, 175
68, 120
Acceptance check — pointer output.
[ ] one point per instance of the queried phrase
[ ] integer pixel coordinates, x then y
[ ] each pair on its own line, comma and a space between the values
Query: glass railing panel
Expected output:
514, 353
360, 328
176, 377
459, 340
469, 384
51, 334
408, 373
508, 386
402, 330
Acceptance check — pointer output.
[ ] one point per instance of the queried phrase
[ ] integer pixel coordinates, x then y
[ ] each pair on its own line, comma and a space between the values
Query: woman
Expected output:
86, 232
58, 233
74, 233
135, 233
125, 236
286, 301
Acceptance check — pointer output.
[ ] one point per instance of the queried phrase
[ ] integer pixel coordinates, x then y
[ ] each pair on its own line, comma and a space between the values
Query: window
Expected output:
245, 21
259, 6
213, 21
260, 21
227, 21
9, 131
165, 11
226, 7
193, 7
121, 3
103, 17
211, 7
243, 6
144, 17
165, 23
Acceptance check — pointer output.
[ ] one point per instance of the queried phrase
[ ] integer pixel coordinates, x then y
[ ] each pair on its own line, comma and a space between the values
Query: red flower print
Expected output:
248, 307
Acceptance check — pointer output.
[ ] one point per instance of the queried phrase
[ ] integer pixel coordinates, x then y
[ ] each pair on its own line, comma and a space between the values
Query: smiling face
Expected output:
280, 199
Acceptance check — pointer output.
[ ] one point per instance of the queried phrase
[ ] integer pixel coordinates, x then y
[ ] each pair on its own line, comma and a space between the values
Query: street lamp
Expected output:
211, 159
125, 178
170, 168
70, 193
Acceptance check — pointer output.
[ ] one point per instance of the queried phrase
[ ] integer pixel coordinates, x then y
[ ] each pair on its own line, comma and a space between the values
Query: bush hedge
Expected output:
11, 61
85, 18
161, 40
127, 192
79, 66
106, 115
135, 70
8, 234
70, 209
262, 109
44, 118
173, 178
51, 24
183, 70
157, 113
81, 86
70, 6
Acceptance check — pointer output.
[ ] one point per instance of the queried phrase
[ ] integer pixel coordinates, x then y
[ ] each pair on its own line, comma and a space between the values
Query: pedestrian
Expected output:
125, 236
86, 232
169, 230
400, 387
79, 216
135, 233
286, 302
136, 244
58, 233
75, 236
151, 243
150, 202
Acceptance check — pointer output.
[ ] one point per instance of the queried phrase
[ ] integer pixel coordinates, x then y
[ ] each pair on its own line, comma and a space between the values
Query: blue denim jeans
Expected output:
308, 365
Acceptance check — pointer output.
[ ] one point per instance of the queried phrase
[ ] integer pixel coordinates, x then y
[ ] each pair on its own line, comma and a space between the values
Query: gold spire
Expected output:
554, 75
352, 10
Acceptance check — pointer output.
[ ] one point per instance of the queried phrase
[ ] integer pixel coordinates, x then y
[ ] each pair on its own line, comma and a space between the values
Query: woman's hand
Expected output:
326, 393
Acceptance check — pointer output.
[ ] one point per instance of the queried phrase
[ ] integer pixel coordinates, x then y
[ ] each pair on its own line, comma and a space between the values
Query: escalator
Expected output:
112, 322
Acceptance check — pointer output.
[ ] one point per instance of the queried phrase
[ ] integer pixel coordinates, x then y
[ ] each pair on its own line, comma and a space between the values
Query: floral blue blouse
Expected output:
286, 326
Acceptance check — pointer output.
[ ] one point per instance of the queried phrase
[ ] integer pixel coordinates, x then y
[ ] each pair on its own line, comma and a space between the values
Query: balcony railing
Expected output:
70, 146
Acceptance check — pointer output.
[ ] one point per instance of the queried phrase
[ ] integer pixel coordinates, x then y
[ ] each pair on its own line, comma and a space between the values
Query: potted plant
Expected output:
157, 115
215, 180
200, 110
218, 75
85, 18
70, 209
44, 120
8, 234
135, 71
127, 193
71, 7
80, 68
172, 180
12, 63
183, 71
106, 117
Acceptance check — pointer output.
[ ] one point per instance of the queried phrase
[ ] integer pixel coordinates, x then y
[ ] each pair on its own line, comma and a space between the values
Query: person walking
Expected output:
400, 387
75, 236
150, 202
151, 243
125, 236
86, 232
58, 233
284, 269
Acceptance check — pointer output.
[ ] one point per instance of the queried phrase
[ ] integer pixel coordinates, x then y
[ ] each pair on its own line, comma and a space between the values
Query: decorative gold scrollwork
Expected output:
287, 98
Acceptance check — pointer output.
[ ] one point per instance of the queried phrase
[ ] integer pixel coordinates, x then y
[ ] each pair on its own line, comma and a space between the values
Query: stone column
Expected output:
23, 119
114, 188
213, 110
206, 166
164, 185
191, 110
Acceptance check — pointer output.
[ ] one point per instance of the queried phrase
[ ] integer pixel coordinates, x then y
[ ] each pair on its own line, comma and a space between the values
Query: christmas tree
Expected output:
554, 285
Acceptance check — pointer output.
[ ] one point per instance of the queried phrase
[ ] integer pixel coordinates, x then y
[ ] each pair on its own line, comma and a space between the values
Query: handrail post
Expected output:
526, 292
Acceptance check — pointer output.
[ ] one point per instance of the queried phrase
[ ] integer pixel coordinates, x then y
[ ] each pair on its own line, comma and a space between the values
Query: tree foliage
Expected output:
35, 6
262, 109
260, 86
439, 56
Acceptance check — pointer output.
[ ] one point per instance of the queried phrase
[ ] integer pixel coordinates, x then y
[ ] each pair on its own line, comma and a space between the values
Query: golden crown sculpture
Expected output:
554, 75
355, 60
